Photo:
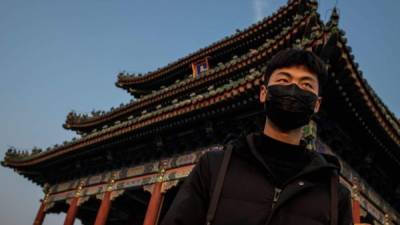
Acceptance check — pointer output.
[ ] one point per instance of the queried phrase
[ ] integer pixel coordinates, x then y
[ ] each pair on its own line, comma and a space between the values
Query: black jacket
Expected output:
247, 196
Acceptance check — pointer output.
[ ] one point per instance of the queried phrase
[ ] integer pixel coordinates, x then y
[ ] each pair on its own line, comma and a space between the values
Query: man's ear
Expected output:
263, 93
318, 104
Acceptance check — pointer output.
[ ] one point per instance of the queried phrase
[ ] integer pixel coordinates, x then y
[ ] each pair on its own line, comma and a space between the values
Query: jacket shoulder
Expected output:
212, 159
332, 160
237, 144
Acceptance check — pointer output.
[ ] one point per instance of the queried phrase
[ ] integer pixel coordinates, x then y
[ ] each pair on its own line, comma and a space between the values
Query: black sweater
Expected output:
284, 160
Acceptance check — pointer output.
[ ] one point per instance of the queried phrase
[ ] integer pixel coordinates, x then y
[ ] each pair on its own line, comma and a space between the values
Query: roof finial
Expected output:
334, 19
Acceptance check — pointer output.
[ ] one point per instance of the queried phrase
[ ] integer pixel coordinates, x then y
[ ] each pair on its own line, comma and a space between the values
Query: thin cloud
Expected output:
259, 9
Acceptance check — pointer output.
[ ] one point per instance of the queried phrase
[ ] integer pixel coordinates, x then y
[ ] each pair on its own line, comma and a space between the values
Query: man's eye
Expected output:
307, 85
282, 80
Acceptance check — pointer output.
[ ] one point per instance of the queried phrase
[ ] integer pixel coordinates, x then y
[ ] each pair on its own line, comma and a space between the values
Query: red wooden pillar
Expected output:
42, 209
40, 214
356, 208
73, 206
355, 201
71, 214
154, 205
104, 209
356, 212
157, 197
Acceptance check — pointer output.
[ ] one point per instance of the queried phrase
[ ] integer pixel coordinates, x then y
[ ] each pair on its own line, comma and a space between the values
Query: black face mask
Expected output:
289, 107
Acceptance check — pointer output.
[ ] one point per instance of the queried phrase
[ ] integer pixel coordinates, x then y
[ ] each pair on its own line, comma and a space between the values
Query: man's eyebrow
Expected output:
284, 73
309, 78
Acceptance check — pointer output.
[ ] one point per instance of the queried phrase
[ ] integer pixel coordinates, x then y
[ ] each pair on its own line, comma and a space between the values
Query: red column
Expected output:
154, 205
355, 201
73, 208
40, 214
356, 212
104, 209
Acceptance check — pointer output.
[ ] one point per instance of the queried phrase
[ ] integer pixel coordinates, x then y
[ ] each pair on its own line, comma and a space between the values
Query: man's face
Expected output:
298, 75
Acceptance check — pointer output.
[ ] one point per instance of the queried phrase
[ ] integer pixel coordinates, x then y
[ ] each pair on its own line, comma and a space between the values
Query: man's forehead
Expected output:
302, 71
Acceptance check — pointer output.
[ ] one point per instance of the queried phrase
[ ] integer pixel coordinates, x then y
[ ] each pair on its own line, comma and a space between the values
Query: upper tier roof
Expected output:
261, 30
138, 84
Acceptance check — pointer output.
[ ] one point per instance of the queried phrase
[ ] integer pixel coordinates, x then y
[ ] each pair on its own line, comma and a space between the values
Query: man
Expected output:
271, 177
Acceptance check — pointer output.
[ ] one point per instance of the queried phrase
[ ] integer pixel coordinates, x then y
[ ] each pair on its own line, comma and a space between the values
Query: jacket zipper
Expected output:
277, 193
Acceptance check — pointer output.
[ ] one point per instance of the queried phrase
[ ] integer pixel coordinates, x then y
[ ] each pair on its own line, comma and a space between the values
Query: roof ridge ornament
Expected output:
334, 18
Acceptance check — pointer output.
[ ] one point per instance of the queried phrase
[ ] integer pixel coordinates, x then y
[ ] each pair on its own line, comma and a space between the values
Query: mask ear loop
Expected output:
266, 97
265, 108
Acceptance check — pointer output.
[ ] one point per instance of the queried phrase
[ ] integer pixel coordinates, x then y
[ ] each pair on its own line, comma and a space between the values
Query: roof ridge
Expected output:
282, 9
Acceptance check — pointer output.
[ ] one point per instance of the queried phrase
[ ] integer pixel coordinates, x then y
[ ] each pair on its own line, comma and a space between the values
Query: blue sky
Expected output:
58, 56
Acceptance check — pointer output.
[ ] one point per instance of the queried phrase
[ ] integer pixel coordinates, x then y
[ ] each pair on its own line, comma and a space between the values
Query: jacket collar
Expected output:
318, 161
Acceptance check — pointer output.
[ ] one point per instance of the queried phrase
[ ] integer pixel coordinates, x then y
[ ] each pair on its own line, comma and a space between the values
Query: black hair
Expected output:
297, 57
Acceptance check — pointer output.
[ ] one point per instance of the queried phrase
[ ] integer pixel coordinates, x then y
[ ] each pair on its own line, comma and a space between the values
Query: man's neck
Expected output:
291, 136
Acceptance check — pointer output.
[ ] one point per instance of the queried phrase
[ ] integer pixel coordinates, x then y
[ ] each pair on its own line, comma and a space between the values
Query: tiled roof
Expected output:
79, 122
125, 80
230, 90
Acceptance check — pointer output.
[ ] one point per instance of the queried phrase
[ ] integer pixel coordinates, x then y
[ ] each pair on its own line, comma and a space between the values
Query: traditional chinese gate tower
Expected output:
128, 163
